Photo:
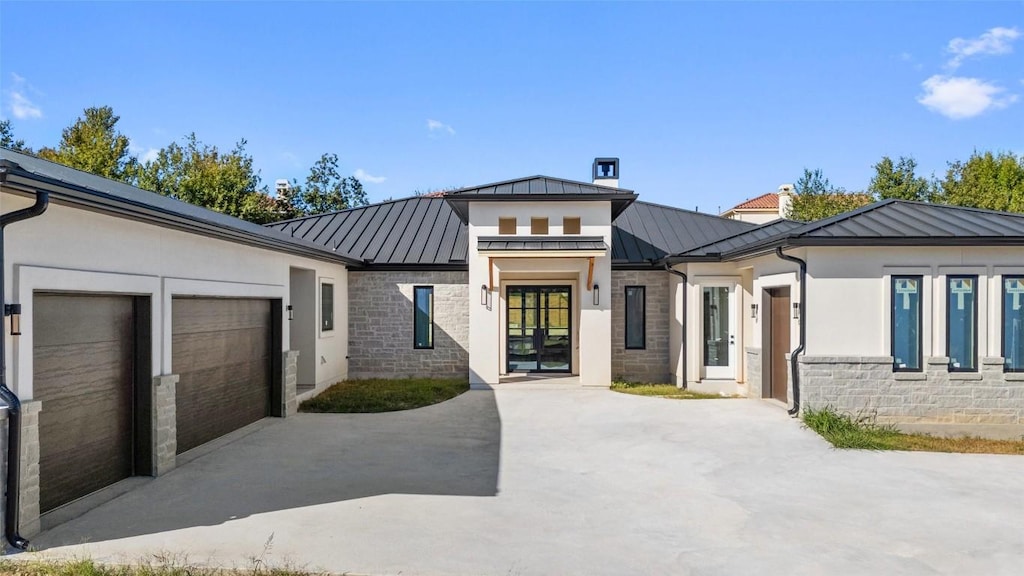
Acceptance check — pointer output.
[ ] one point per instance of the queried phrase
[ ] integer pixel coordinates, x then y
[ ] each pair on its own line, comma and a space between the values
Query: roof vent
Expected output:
606, 172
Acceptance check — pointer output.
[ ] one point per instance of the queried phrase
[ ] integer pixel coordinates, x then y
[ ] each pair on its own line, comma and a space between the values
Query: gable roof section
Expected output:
769, 201
539, 188
86, 190
898, 223
426, 233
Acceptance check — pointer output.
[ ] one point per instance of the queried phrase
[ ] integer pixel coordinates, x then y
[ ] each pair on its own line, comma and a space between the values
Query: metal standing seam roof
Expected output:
899, 223
541, 243
539, 188
81, 188
715, 249
425, 232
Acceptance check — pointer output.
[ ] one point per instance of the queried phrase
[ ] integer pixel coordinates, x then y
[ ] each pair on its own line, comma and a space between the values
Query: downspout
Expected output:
793, 365
670, 270
13, 485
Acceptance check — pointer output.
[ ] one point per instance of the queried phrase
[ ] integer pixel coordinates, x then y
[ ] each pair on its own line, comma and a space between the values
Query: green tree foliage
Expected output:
898, 180
325, 190
817, 198
985, 180
7, 139
200, 174
93, 144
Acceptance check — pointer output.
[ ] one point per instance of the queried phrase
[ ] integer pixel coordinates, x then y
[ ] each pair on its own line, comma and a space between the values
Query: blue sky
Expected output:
705, 104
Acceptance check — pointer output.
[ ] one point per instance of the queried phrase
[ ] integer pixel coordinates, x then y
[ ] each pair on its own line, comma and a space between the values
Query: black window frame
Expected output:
920, 321
643, 325
1002, 319
415, 308
949, 294
326, 312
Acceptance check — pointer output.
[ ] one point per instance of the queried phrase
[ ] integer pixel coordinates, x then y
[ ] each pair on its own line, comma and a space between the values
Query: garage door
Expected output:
221, 353
83, 349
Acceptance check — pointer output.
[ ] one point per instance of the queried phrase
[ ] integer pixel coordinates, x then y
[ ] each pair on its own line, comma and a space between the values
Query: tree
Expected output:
898, 180
325, 190
200, 174
93, 144
992, 181
817, 198
7, 138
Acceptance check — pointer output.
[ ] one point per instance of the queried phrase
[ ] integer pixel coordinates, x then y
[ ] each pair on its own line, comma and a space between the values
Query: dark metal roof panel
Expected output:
540, 243
763, 232
537, 186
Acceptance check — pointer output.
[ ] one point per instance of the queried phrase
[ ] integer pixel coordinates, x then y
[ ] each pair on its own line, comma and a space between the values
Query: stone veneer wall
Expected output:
380, 327
935, 396
753, 366
652, 363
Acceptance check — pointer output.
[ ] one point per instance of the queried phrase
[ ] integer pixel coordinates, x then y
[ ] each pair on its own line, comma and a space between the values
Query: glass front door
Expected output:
539, 329
719, 332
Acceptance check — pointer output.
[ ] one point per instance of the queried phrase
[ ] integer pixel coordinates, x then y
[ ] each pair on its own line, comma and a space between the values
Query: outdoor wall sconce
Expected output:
753, 311
485, 295
796, 310
291, 313
14, 311
597, 295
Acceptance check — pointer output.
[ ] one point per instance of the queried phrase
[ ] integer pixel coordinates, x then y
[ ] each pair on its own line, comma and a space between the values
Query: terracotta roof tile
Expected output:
769, 201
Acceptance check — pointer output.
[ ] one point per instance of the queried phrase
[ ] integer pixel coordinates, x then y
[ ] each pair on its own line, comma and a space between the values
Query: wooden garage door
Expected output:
83, 350
221, 353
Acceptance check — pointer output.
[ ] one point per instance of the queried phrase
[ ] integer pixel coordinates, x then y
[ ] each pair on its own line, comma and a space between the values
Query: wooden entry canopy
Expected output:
590, 273
588, 247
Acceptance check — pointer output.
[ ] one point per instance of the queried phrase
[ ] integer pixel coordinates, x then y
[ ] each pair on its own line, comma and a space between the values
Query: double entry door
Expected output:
539, 329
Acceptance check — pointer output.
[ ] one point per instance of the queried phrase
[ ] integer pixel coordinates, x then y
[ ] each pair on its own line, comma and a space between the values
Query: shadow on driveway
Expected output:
451, 448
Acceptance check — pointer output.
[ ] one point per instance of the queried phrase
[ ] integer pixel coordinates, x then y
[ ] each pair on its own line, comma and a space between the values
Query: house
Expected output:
139, 327
764, 208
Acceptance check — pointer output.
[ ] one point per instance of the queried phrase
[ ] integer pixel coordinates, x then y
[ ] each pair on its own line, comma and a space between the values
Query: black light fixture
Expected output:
291, 312
796, 310
484, 294
597, 295
14, 311
753, 311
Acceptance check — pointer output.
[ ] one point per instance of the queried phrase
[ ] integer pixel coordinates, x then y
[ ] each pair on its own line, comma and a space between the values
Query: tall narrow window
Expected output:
539, 226
962, 323
326, 307
636, 317
423, 320
1013, 323
906, 322
506, 226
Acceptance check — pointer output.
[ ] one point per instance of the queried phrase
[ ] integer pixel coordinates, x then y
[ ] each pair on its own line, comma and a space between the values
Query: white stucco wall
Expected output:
74, 250
593, 323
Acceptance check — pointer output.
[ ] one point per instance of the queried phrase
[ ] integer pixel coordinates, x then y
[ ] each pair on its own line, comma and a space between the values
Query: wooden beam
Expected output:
590, 275
490, 274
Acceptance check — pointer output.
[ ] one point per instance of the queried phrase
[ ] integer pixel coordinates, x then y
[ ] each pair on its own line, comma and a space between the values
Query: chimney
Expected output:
606, 172
280, 186
786, 192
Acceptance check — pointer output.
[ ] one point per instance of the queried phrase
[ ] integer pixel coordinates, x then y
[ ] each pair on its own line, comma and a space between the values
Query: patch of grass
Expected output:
90, 568
383, 395
662, 391
861, 432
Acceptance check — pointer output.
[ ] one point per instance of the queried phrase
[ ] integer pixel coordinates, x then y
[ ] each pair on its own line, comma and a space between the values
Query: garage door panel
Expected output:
221, 353
84, 380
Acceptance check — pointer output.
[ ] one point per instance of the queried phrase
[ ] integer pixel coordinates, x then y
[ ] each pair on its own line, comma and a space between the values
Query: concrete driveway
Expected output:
558, 482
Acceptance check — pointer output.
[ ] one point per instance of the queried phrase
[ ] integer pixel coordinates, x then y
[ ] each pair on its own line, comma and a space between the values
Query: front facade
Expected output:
142, 328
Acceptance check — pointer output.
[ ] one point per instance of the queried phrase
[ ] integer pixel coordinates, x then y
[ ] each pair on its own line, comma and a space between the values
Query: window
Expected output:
506, 225
326, 307
906, 322
1013, 323
962, 323
570, 225
636, 318
539, 226
423, 319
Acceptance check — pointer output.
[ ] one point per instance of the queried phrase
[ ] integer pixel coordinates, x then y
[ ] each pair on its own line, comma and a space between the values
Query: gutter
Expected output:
13, 495
670, 270
793, 360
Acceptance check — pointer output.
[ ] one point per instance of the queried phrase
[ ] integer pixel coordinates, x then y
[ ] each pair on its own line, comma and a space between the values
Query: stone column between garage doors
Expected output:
29, 497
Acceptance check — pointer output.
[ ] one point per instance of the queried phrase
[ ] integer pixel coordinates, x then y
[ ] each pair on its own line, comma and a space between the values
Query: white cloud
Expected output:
20, 105
364, 176
143, 154
996, 40
958, 97
438, 126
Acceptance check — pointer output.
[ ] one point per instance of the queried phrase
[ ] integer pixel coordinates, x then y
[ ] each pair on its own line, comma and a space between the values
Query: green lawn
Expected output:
382, 395
848, 431
662, 391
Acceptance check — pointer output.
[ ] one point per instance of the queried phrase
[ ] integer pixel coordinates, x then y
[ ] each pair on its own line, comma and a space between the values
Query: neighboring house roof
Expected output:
540, 243
75, 187
539, 188
888, 223
769, 201
427, 233
714, 250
